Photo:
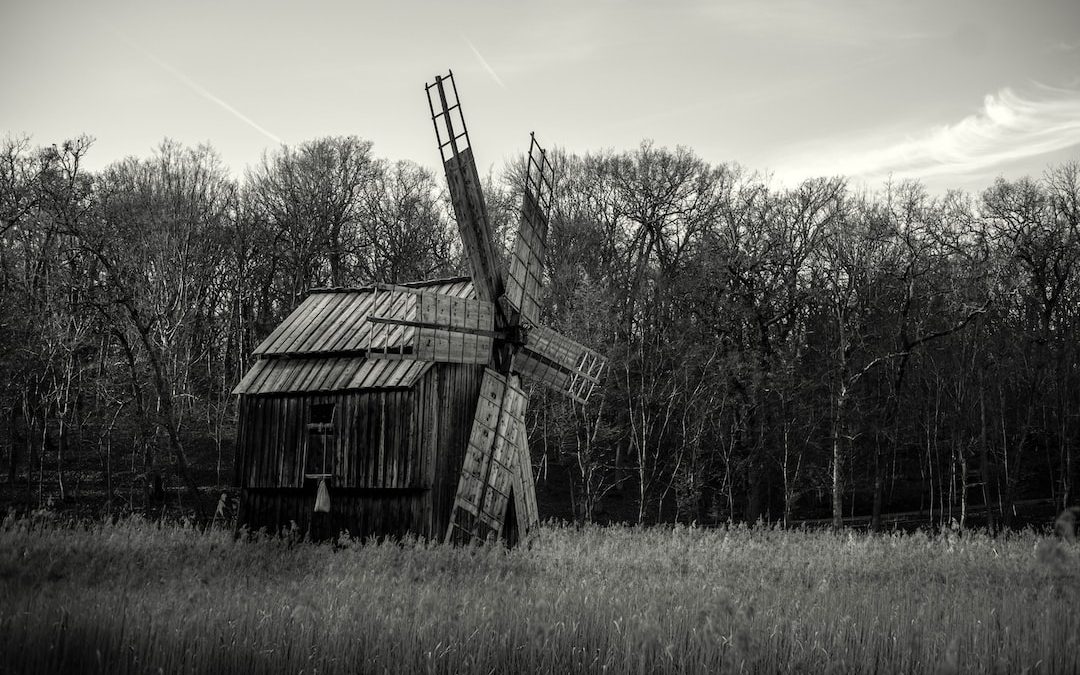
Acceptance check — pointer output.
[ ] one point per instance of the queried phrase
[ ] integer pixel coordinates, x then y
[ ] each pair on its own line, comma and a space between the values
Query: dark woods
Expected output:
775, 353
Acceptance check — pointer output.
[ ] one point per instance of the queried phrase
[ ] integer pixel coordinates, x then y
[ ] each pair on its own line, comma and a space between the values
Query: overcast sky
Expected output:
954, 93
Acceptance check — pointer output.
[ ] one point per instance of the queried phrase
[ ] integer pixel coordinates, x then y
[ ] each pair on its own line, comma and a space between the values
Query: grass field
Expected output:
139, 597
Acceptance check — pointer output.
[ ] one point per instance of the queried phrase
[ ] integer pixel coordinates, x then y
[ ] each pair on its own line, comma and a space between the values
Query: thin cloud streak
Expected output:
1008, 128
1063, 46
829, 22
484, 63
194, 86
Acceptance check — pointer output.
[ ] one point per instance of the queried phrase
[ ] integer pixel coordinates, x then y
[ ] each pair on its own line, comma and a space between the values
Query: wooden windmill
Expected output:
499, 329
399, 409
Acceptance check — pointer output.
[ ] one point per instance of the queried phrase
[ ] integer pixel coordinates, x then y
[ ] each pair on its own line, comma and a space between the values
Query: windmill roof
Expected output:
326, 374
322, 345
334, 320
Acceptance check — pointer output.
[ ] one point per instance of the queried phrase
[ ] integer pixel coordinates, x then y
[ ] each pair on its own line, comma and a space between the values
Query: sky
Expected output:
950, 92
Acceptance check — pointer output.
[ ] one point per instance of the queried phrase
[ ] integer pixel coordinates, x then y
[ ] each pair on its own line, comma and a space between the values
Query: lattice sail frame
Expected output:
557, 361
470, 211
526, 275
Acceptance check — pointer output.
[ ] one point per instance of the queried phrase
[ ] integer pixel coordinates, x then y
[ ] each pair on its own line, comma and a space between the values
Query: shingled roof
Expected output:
322, 345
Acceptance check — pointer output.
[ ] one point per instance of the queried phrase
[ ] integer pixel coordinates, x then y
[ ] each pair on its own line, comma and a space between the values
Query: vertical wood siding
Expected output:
456, 390
361, 513
375, 440
394, 455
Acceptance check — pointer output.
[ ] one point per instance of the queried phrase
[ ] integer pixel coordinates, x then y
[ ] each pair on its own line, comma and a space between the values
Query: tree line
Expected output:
775, 352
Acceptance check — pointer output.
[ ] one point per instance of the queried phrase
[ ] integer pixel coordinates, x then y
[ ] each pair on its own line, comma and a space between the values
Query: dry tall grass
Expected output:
136, 597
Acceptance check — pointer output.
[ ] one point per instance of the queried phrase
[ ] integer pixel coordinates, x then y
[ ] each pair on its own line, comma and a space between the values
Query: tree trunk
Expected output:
984, 459
642, 485
61, 449
963, 486
13, 448
575, 506
837, 459
879, 487
789, 479
753, 492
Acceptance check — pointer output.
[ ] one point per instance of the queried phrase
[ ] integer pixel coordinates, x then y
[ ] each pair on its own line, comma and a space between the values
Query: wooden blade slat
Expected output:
472, 220
525, 278
426, 326
528, 518
481, 439
560, 363
455, 148
504, 458
488, 472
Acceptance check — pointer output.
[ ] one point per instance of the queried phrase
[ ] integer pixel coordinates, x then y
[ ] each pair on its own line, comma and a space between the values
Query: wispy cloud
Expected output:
1009, 127
202, 91
195, 86
484, 63
1063, 46
833, 22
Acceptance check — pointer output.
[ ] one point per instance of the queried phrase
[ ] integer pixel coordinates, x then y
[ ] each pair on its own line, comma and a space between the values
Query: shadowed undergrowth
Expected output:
136, 597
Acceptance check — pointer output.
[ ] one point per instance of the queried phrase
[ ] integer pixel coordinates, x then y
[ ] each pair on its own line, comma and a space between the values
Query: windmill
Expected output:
500, 329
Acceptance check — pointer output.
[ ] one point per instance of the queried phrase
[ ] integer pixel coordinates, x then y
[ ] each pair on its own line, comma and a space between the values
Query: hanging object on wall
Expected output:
322, 495
322, 500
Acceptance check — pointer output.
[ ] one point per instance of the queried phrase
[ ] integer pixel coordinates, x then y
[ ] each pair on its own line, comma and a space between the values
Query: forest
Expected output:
823, 351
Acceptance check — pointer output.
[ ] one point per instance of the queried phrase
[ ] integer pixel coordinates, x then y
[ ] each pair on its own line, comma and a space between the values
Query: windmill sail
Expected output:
426, 326
527, 266
528, 517
492, 461
464, 183
560, 363
501, 328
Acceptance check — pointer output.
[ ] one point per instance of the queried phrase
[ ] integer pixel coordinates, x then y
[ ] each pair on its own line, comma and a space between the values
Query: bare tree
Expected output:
158, 242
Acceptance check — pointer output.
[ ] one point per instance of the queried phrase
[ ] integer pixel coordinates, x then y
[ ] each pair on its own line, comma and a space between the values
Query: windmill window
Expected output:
321, 417
320, 442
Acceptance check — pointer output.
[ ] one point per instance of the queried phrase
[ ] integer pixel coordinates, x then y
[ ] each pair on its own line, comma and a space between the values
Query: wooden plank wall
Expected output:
381, 443
272, 440
375, 440
396, 451
360, 512
241, 454
456, 389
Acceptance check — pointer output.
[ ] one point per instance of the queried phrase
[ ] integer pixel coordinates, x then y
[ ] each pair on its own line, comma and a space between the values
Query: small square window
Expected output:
321, 414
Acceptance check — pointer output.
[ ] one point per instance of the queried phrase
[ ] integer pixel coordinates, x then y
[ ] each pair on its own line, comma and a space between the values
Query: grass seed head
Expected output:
1065, 525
